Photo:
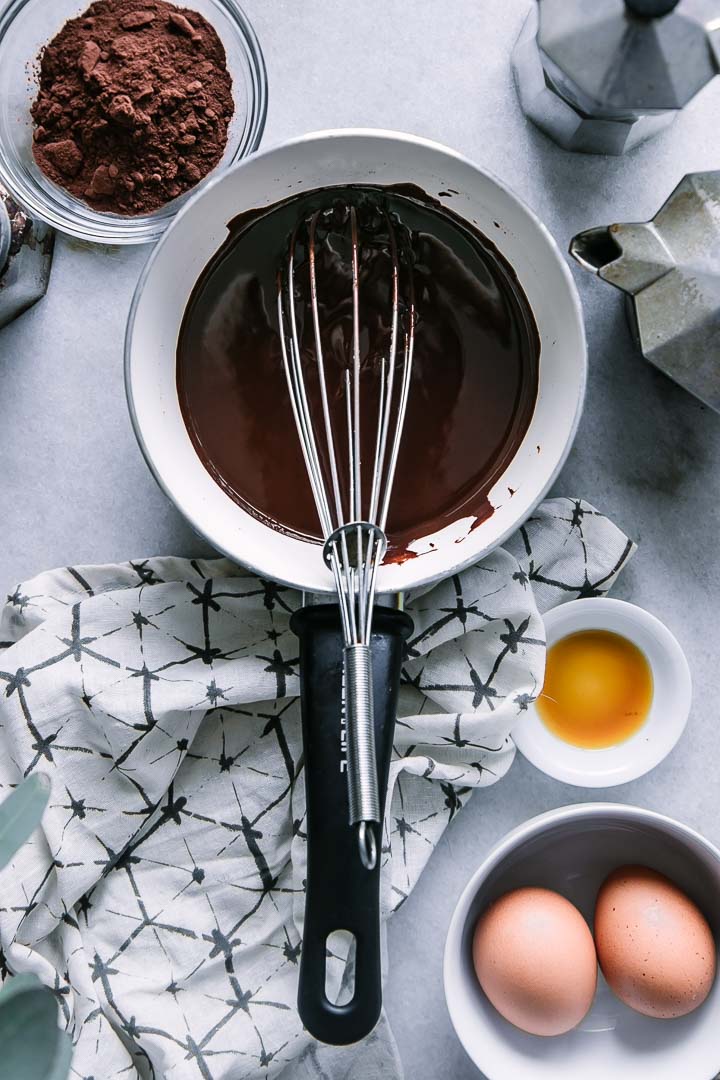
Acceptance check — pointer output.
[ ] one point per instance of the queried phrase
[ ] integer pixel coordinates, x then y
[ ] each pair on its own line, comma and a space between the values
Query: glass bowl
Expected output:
28, 25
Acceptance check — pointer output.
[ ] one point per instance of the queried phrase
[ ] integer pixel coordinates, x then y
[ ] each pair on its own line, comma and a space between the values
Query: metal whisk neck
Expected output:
353, 552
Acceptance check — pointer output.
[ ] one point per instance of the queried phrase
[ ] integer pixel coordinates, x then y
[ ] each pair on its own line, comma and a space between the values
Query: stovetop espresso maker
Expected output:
26, 250
669, 269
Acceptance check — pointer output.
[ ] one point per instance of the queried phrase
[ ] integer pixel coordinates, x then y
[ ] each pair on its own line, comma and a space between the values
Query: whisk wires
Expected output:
355, 542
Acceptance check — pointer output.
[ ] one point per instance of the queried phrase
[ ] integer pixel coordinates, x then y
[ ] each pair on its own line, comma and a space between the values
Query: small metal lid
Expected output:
26, 250
619, 58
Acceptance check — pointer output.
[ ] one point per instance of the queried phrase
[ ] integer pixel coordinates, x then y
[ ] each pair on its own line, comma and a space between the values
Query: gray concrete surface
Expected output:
74, 488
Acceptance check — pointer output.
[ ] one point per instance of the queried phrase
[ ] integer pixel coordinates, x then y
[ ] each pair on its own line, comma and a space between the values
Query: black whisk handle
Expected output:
341, 893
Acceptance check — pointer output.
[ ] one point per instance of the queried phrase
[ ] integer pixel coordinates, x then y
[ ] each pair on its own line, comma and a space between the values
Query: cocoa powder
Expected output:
134, 104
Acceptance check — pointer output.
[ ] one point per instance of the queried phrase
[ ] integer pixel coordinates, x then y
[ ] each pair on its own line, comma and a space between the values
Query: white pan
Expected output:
319, 160
340, 894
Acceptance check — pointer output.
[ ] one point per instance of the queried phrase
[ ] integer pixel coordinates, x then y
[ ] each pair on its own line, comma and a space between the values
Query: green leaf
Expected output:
33, 1046
64, 1053
18, 984
20, 815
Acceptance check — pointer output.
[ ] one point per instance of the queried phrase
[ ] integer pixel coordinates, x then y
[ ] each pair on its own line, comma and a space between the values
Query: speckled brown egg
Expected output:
535, 960
654, 945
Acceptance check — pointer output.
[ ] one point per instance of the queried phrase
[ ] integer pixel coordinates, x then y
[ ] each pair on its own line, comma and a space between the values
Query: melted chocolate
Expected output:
475, 373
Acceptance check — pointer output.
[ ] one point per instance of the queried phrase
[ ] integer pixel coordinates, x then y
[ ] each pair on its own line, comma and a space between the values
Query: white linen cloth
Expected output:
162, 898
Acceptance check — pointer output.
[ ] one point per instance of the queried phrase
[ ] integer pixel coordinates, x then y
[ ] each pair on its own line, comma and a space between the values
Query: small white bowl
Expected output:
669, 709
572, 850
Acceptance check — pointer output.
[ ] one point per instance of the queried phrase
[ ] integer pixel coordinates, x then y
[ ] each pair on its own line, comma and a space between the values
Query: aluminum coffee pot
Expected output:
26, 251
670, 270
601, 76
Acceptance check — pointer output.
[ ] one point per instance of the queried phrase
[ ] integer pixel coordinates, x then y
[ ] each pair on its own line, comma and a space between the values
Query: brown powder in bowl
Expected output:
134, 104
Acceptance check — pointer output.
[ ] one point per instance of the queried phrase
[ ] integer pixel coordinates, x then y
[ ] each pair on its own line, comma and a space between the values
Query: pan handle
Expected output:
340, 893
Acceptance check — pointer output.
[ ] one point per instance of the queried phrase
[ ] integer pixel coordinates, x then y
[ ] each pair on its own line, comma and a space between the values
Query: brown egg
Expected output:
654, 945
535, 959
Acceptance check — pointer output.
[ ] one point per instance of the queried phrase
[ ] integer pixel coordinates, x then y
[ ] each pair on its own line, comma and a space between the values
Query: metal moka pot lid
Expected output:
624, 57
602, 76
669, 268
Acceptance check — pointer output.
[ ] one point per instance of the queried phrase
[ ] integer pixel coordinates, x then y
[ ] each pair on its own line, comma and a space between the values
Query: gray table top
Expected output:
75, 488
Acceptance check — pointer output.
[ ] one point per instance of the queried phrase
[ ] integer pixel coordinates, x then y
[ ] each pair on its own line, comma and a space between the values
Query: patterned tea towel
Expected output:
162, 898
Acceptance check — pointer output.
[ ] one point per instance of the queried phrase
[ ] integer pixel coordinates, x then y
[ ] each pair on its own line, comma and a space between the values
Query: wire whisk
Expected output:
353, 512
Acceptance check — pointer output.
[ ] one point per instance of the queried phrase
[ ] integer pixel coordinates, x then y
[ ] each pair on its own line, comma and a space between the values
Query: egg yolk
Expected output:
598, 689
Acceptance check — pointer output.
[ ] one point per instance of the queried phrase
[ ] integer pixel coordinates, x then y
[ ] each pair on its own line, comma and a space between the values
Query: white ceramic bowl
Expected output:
320, 160
672, 694
572, 850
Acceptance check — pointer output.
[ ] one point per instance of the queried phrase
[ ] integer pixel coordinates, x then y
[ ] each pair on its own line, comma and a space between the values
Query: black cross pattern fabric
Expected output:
162, 899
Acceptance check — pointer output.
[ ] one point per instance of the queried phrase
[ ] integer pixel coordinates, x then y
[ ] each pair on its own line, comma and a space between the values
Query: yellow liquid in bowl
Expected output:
598, 689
